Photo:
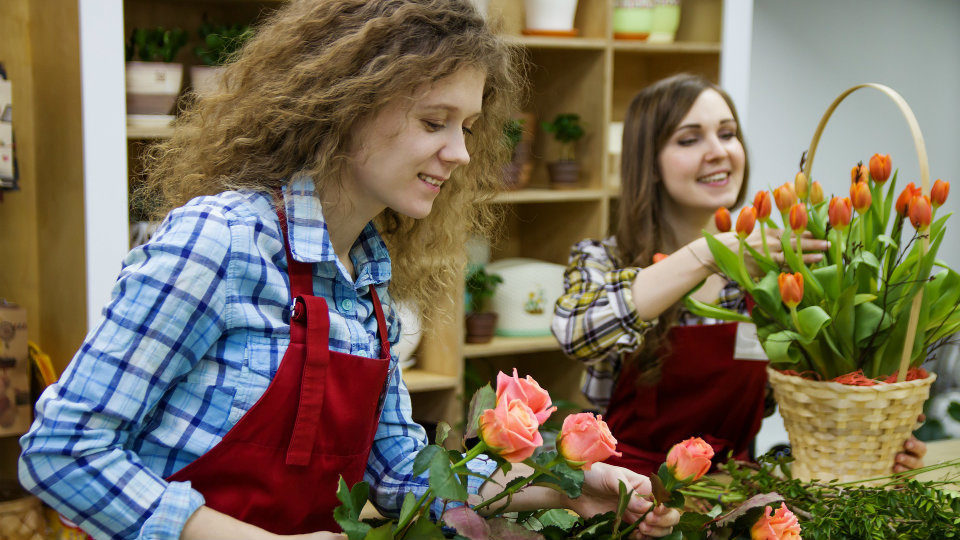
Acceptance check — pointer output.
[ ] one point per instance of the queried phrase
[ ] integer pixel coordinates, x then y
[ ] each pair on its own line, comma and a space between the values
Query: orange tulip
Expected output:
816, 193
791, 288
657, 257
745, 221
920, 212
722, 219
762, 204
880, 168
798, 217
840, 212
801, 185
908, 193
860, 196
939, 192
858, 173
785, 196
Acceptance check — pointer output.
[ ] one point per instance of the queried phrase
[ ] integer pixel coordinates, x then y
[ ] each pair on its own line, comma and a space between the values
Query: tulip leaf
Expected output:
712, 311
887, 241
777, 346
483, 399
811, 283
811, 320
728, 261
870, 319
765, 263
767, 296
443, 481
864, 297
828, 277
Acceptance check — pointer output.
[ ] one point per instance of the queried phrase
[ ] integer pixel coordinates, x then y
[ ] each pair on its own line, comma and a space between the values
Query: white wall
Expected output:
804, 54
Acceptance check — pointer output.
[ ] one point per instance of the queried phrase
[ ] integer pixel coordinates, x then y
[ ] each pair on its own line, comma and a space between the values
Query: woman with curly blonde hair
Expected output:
244, 362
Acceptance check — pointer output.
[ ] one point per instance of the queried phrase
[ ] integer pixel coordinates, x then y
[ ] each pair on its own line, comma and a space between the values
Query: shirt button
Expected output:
346, 304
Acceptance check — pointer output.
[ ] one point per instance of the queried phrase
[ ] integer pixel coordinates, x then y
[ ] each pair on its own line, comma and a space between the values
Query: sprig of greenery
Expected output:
155, 44
220, 41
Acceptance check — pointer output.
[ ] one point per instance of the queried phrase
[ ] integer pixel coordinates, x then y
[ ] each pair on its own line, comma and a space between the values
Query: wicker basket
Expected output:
845, 432
22, 519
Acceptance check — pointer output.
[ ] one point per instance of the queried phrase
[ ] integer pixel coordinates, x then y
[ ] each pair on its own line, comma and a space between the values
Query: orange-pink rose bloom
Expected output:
586, 439
880, 168
690, 459
511, 430
526, 390
781, 525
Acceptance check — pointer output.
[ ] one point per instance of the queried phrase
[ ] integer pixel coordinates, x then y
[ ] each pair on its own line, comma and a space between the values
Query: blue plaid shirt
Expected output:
190, 340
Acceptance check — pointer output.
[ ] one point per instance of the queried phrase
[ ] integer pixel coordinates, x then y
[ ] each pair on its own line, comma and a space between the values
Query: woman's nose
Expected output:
455, 150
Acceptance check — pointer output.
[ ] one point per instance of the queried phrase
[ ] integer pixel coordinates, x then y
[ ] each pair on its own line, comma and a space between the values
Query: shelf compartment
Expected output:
500, 346
535, 195
538, 42
675, 47
418, 380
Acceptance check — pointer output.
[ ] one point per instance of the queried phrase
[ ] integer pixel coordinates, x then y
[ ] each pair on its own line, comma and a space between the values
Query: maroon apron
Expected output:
279, 467
704, 392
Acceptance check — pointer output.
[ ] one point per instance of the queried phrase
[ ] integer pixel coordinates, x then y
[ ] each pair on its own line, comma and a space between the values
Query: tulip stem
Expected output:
744, 275
763, 238
796, 319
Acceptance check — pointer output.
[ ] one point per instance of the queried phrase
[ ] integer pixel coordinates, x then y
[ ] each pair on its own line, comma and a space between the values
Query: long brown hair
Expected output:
652, 117
289, 101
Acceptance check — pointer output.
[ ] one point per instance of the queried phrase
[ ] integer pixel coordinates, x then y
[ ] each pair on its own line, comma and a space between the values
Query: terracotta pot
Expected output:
480, 327
564, 174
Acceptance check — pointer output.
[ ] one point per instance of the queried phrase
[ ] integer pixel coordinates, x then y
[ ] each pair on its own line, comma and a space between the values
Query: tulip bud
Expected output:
939, 192
801, 185
785, 197
905, 197
762, 204
798, 218
858, 173
920, 212
816, 193
840, 212
657, 257
791, 288
860, 196
745, 221
722, 219
880, 168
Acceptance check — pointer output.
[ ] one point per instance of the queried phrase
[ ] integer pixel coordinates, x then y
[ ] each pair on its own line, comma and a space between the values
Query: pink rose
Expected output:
585, 439
782, 525
526, 390
511, 430
690, 459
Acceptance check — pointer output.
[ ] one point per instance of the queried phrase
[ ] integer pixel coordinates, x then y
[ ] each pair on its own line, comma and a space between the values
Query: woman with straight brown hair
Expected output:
244, 364
663, 374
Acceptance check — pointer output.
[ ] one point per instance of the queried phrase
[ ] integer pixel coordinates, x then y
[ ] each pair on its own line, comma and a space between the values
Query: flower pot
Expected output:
480, 327
550, 17
152, 87
516, 174
632, 19
845, 432
664, 21
564, 174
204, 79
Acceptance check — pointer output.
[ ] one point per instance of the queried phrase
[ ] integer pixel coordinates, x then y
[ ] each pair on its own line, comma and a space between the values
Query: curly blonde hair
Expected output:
315, 69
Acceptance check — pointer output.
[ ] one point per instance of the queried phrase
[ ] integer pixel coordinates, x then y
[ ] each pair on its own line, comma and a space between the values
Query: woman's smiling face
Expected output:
403, 155
702, 163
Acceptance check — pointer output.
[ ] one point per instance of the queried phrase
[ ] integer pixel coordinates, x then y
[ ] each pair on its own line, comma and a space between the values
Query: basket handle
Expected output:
924, 185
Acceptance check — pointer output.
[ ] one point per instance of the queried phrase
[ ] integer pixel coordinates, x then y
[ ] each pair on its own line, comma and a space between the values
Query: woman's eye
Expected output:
687, 141
432, 126
467, 131
728, 135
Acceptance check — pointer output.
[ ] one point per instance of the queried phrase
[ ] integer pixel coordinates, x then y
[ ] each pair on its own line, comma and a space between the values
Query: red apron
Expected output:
278, 468
704, 392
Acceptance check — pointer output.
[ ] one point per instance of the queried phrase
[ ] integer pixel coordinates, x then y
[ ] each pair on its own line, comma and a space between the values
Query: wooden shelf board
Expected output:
549, 195
419, 380
675, 47
140, 132
538, 42
510, 345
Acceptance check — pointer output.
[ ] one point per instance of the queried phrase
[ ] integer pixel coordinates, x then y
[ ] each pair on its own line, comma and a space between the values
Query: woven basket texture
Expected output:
847, 433
22, 519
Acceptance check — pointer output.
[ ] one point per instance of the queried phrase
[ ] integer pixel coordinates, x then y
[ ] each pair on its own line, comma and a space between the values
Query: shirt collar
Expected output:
310, 239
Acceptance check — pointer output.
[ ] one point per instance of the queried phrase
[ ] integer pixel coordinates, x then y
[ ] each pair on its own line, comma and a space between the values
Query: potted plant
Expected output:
220, 42
550, 17
566, 129
153, 79
480, 287
845, 336
519, 140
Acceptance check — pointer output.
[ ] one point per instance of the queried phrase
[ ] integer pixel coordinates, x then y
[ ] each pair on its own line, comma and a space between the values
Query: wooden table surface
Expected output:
939, 452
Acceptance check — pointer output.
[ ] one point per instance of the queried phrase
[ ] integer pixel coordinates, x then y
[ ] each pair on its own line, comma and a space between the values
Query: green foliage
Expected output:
566, 129
480, 288
220, 41
155, 44
513, 132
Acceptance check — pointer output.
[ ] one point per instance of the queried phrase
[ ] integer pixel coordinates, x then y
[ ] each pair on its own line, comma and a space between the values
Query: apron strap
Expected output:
381, 324
301, 273
314, 378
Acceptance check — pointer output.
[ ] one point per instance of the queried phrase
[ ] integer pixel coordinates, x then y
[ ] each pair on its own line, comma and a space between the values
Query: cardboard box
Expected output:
16, 407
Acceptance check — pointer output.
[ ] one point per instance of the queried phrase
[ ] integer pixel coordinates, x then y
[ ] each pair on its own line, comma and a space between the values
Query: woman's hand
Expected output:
601, 492
812, 247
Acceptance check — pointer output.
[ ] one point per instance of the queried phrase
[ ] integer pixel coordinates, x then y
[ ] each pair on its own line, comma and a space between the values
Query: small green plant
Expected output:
566, 129
155, 44
220, 41
480, 288
513, 132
